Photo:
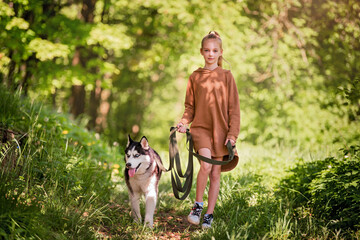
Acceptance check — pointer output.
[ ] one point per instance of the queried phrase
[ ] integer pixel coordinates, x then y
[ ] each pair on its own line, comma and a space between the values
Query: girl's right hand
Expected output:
181, 127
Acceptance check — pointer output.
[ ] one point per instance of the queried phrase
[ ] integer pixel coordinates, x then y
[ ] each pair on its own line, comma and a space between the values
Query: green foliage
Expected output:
19, 221
351, 95
288, 61
111, 37
61, 181
46, 50
330, 187
8, 108
337, 24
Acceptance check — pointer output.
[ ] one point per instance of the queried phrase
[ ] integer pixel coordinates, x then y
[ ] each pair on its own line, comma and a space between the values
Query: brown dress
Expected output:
213, 109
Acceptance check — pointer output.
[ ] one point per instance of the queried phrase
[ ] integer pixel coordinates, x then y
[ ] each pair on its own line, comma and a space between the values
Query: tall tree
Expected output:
82, 56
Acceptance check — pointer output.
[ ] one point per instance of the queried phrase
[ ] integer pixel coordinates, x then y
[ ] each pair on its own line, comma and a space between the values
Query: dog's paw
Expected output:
149, 223
136, 217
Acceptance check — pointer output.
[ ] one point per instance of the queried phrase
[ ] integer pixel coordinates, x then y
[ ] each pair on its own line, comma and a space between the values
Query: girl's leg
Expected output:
205, 169
202, 177
214, 187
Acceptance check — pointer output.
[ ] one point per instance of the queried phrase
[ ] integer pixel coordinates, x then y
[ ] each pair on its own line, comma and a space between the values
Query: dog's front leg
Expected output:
150, 199
135, 206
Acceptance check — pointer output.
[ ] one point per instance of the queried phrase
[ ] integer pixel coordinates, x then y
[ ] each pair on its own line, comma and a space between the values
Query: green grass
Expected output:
55, 182
63, 182
249, 204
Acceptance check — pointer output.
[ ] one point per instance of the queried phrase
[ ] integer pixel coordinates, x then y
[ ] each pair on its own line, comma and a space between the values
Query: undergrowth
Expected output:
55, 176
61, 181
328, 189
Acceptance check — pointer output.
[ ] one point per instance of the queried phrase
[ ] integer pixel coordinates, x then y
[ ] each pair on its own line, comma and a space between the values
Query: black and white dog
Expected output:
142, 175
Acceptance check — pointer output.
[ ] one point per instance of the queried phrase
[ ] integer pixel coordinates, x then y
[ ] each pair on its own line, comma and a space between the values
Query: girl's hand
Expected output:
231, 141
181, 127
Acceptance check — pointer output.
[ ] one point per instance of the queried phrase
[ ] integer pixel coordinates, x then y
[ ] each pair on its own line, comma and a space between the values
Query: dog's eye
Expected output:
137, 155
128, 155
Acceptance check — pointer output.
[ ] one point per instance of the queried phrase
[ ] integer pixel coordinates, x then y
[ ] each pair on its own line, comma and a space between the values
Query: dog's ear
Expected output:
129, 141
144, 143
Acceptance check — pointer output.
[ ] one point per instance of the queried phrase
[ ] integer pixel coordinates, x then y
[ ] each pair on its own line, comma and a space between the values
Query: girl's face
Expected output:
211, 51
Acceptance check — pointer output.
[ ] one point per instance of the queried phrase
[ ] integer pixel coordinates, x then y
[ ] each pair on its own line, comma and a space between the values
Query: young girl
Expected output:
212, 106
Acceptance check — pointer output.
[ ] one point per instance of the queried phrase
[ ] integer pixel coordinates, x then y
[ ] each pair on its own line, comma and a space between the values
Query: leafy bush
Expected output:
60, 182
330, 187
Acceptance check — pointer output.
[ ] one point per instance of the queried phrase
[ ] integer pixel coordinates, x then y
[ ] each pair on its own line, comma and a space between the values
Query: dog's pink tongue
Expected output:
132, 172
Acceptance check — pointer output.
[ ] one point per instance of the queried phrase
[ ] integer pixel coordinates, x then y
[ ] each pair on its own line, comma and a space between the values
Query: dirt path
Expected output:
175, 227
167, 225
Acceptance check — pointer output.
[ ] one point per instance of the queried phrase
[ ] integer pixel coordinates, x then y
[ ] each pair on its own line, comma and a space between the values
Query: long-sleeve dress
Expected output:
213, 109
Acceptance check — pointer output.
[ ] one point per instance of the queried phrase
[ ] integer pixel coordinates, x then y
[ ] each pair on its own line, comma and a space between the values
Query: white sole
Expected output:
205, 226
192, 221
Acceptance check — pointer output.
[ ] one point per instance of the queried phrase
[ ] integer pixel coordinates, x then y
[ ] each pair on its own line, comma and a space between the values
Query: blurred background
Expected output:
121, 67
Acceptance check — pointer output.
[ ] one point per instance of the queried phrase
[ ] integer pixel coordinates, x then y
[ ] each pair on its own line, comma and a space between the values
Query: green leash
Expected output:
175, 164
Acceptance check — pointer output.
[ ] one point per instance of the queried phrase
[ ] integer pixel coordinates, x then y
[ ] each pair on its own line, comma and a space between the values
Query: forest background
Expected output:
120, 67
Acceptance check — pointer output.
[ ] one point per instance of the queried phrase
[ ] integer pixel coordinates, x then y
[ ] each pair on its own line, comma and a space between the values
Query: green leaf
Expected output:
5, 10
17, 23
46, 50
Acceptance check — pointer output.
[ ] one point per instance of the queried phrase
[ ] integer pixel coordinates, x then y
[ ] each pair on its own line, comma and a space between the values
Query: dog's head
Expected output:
137, 156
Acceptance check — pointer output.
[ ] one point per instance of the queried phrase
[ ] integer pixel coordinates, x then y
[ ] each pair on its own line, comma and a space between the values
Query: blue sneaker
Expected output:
208, 218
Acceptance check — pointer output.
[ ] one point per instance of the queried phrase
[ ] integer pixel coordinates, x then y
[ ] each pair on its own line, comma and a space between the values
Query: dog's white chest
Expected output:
143, 183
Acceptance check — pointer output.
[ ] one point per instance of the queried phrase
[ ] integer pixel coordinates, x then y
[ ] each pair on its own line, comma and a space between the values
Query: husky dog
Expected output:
142, 175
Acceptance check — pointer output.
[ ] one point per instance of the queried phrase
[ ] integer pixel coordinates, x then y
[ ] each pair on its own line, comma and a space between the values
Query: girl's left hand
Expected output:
181, 127
231, 141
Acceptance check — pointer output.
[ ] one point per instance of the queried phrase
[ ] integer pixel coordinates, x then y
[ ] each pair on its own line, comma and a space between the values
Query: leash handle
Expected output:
172, 131
173, 151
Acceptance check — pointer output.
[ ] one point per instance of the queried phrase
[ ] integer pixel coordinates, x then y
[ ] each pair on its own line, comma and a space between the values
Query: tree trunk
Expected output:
26, 68
53, 98
77, 102
78, 93
87, 11
10, 76
94, 104
101, 120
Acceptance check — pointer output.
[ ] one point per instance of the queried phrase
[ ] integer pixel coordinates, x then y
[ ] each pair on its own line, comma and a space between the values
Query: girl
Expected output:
212, 106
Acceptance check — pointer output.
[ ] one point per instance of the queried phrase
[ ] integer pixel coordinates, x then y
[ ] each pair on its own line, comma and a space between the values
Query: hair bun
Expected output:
214, 33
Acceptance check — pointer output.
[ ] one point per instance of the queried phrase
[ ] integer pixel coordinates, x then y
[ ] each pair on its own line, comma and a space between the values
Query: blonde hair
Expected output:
214, 35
